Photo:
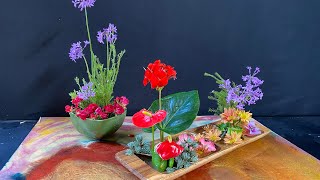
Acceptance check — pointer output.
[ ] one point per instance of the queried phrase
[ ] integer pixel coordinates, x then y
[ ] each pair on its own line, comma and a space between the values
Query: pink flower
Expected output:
123, 101
118, 109
205, 147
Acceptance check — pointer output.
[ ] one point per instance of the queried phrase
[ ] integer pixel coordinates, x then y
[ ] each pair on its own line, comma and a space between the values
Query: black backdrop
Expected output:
282, 37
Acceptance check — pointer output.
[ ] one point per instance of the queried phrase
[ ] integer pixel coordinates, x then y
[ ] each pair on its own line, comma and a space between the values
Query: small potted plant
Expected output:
94, 111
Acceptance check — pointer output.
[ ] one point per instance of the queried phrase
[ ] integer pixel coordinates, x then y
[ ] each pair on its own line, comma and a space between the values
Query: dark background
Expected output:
282, 37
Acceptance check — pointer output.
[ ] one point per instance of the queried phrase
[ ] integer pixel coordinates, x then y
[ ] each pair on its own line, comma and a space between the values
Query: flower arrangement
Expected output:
231, 100
171, 114
94, 100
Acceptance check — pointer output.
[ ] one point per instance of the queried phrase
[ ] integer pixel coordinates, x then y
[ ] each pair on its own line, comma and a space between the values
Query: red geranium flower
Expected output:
145, 118
158, 74
168, 149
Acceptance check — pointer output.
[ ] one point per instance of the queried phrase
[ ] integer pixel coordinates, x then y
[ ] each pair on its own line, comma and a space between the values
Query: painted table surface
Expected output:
55, 150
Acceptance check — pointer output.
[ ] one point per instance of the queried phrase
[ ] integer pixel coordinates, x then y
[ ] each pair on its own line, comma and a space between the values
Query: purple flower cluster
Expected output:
109, 34
86, 91
81, 4
76, 50
244, 95
252, 129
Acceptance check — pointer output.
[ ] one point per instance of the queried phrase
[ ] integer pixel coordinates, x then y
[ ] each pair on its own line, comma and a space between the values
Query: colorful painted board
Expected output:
55, 150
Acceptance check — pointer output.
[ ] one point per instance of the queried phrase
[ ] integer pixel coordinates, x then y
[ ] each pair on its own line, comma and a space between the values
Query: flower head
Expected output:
109, 34
86, 91
246, 94
213, 135
208, 127
244, 116
233, 138
198, 137
145, 118
123, 101
81, 4
205, 147
76, 50
158, 74
251, 129
168, 149
229, 115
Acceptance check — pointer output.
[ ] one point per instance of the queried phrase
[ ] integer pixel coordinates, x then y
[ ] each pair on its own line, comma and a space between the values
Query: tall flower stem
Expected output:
88, 71
160, 107
152, 145
89, 38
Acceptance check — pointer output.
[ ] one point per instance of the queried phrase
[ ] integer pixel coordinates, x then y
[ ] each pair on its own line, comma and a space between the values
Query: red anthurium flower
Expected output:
168, 149
158, 74
145, 118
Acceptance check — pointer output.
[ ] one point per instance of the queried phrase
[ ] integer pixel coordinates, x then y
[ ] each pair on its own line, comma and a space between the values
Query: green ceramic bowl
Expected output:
98, 129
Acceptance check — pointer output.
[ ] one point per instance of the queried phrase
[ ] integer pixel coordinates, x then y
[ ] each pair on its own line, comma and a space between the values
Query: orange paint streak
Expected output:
103, 152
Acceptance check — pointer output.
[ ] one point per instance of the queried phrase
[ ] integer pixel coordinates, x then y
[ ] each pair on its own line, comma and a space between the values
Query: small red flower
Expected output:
168, 149
123, 101
76, 101
158, 74
90, 108
145, 118
82, 114
118, 109
68, 108
109, 108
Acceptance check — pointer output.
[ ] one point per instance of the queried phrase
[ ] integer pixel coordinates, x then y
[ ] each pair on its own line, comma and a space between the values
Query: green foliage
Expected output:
187, 157
182, 108
219, 96
102, 76
139, 146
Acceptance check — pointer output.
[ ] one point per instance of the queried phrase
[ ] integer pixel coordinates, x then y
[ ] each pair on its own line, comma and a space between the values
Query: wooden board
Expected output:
143, 171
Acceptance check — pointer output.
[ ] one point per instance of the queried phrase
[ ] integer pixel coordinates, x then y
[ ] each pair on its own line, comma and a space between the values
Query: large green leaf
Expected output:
182, 108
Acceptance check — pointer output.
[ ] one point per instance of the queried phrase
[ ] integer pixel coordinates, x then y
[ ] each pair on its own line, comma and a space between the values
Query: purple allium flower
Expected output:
76, 50
86, 91
252, 129
81, 4
108, 34
244, 95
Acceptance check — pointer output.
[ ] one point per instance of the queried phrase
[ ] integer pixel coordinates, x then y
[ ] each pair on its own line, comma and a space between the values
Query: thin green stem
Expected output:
88, 71
160, 107
152, 145
89, 38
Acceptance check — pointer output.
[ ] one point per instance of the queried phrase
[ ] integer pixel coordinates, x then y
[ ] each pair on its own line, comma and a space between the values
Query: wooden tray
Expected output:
143, 171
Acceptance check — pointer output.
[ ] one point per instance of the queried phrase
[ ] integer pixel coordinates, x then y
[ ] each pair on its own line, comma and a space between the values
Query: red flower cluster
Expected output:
93, 111
158, 74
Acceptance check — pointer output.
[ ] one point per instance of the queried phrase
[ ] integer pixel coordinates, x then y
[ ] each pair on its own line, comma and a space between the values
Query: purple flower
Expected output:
86, 91
252, 129
81, 4
108, 34
76, 50
244, 95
